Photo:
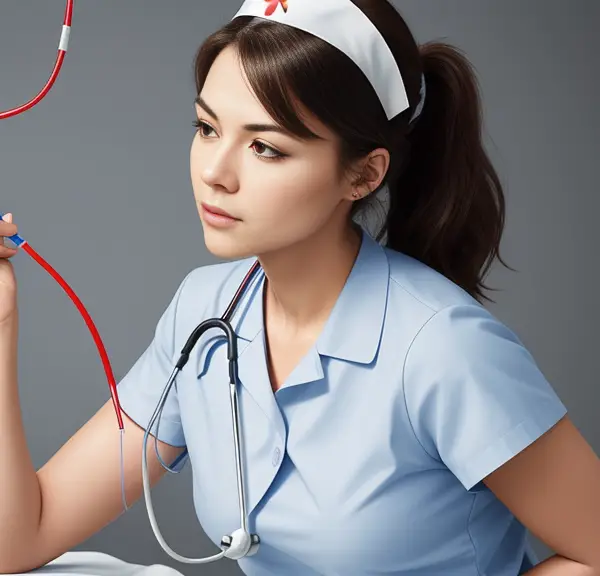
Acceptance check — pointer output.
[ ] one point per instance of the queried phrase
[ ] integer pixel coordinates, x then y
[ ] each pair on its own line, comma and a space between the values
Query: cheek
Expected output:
195, 165
199, 159
293, 193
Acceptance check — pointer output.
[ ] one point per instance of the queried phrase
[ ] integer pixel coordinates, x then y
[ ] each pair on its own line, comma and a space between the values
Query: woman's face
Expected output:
278, 201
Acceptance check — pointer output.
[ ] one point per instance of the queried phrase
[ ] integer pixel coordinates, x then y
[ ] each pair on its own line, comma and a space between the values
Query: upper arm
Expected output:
81, 483
479, 403
553, 488
474, 394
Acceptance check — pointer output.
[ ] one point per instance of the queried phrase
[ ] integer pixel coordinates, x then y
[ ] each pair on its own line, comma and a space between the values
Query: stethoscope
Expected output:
240, 543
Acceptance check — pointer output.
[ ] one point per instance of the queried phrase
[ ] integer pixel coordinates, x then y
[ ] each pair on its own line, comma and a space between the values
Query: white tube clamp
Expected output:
64, 38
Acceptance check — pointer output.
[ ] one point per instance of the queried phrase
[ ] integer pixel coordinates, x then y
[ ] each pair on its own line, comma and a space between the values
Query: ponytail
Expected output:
447, 206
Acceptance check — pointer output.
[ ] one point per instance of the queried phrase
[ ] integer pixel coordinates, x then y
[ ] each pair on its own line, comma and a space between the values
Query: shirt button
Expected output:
276, 456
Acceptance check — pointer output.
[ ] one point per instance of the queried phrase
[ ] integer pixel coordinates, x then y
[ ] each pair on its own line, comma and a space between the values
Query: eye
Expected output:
199, 125
202, 126
276, 154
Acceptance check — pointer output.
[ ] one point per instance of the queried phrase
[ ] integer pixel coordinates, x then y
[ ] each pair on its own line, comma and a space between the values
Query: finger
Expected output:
6, 218
7, 251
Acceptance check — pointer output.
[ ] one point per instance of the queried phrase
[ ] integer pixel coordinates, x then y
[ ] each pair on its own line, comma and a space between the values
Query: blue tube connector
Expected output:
16, 239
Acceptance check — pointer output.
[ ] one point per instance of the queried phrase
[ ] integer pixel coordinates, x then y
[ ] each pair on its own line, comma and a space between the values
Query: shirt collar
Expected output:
353, 330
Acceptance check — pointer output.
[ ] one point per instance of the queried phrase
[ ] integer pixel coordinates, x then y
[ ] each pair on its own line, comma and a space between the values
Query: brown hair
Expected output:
446, 204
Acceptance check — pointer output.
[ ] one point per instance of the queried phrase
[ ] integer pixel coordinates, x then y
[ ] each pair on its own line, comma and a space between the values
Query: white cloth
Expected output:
99, 564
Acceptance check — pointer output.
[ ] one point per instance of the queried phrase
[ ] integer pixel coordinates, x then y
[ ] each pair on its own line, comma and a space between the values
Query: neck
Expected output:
303, 282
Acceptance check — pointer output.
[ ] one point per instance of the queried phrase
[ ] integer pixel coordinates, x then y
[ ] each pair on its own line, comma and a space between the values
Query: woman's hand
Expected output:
8, 280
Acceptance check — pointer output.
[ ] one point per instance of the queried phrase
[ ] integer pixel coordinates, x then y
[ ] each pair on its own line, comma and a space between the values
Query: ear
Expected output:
371, 172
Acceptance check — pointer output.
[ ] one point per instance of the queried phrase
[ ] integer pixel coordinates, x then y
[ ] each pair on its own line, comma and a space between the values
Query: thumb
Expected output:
6, 218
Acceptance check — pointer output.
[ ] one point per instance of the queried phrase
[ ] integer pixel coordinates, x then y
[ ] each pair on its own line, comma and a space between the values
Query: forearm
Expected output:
560, 566
20, 498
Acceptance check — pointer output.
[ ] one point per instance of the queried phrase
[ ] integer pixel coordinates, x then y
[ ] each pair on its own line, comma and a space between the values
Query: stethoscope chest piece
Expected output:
240, 544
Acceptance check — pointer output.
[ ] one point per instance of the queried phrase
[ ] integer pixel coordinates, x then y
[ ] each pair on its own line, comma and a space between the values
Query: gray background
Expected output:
97, 176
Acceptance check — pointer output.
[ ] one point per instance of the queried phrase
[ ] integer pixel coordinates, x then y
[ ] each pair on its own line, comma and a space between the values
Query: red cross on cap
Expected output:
272, 6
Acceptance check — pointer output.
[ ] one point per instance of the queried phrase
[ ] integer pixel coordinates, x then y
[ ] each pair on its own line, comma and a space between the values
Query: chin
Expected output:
226, 247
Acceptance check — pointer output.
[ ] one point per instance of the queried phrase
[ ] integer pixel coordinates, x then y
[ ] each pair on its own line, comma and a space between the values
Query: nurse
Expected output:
392, 425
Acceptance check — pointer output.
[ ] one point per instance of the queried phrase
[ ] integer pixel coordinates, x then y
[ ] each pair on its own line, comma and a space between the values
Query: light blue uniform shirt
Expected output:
369, 459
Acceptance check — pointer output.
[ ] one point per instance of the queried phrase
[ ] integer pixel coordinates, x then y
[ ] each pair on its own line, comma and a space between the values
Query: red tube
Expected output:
57, 66
90, 323
27, 247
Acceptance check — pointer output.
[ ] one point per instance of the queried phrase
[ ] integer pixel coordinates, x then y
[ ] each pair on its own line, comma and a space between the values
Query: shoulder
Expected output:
206, 290
446, 322
472, 391
422, 285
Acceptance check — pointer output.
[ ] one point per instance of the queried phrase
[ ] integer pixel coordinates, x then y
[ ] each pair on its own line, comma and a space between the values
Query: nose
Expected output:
219, 168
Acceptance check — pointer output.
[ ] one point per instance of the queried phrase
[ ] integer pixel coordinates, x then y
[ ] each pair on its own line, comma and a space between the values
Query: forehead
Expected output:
228, 92
227, 82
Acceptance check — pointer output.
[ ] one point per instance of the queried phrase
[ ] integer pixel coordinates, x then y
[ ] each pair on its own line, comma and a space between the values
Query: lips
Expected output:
216, 210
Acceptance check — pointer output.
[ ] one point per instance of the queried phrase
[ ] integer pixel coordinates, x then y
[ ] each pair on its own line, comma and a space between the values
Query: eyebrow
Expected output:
248, 127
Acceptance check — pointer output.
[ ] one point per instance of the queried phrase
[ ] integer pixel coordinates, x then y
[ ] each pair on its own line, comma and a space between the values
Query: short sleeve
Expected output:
474, 394
141, 388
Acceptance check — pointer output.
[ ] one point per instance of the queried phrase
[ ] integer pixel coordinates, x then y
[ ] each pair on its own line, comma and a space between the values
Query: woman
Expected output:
392, 424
